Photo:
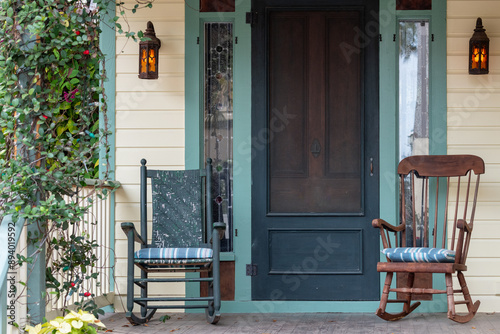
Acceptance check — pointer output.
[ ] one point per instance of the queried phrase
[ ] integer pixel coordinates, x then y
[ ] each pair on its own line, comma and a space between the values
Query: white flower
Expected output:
62, 327
77, 324
84, 317
99, 323
34, 330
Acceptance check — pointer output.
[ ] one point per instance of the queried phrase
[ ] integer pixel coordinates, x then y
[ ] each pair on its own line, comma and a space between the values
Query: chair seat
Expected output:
420, 255
173, 255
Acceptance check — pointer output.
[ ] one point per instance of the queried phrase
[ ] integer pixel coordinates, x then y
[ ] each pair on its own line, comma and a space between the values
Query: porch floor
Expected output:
272, 323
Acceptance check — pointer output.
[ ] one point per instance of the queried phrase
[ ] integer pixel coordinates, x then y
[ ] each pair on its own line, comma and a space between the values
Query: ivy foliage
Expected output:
53, 125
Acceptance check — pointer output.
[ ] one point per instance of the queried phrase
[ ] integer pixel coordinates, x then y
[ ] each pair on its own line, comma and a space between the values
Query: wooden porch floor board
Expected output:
274, 323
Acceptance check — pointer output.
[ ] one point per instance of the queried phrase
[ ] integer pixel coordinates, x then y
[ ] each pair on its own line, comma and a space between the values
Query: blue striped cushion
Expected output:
189, 262
174, 253
420, 254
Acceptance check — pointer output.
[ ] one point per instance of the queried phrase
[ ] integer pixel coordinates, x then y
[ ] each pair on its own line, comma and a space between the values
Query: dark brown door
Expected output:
315, 160
315, 187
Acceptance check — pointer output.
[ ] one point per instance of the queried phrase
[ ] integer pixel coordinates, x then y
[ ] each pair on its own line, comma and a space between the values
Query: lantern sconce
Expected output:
479, 46
148, 54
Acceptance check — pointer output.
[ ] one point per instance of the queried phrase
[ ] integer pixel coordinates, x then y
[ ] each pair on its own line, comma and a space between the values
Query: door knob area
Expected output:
315, 148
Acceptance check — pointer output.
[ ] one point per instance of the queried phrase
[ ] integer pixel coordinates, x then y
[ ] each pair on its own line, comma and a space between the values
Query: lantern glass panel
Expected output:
483, 58
144, 60
152, 60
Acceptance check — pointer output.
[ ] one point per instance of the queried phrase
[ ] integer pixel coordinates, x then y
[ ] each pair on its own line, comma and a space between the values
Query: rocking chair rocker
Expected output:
437, 188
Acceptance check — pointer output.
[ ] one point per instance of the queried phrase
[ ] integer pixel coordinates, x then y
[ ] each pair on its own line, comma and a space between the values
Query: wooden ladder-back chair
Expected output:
435, 190
184, 239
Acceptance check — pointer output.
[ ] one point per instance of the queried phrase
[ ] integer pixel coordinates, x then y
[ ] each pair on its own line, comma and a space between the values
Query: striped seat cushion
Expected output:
175, 262
173, 254
420, 254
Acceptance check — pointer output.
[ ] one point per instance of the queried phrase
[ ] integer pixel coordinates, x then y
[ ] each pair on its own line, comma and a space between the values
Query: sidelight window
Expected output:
218, 119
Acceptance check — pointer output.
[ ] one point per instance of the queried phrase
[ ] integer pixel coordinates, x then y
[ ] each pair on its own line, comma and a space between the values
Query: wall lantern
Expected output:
479, 46
148, 54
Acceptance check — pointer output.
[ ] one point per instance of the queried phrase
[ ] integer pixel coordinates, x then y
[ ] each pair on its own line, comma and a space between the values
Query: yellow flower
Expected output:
34, 330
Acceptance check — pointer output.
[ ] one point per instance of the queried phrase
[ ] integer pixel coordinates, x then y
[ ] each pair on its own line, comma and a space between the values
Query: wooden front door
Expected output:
315, 150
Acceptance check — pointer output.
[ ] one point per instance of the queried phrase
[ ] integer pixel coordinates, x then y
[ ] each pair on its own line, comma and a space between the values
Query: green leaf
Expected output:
71, 127
164, 318
73, 73
60, 130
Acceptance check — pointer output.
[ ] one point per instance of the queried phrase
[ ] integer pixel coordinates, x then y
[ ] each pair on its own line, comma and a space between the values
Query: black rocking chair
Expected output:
184, 239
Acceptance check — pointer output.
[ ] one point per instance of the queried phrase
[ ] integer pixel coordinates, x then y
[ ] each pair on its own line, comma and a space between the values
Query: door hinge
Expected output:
251, 270
251, 18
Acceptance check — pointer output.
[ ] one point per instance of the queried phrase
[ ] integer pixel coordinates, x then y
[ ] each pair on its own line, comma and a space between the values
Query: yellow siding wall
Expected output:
474, 128
149, 117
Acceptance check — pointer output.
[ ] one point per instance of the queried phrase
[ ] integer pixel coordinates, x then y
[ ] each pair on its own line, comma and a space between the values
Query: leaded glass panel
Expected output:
218, 119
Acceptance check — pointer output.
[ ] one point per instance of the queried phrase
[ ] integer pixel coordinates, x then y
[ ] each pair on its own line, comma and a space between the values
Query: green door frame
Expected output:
194, 22
389, 141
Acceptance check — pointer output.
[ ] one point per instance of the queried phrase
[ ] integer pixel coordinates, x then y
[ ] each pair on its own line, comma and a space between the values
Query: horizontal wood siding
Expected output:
149, 120
474, 128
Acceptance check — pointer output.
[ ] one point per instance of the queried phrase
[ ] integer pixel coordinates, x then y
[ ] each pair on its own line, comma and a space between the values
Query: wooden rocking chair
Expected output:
183, 240
433, 188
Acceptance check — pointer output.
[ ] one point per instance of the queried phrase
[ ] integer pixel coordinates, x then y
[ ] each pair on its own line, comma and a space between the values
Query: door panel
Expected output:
313, 193
321, 243
315, 161
287, 36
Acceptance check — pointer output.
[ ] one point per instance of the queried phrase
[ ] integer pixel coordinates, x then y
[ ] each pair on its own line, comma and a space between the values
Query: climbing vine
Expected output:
53, 126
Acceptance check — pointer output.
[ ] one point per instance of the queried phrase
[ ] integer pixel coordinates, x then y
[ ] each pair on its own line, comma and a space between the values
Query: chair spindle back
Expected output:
431, 187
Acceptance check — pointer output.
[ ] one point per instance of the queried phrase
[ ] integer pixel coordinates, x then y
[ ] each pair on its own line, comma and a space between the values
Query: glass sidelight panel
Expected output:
413, 88
413, 102
218, 120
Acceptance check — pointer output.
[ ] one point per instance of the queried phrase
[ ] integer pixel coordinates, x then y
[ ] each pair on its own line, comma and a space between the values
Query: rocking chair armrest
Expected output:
127, 227
220, 227
462, 224
380, 223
